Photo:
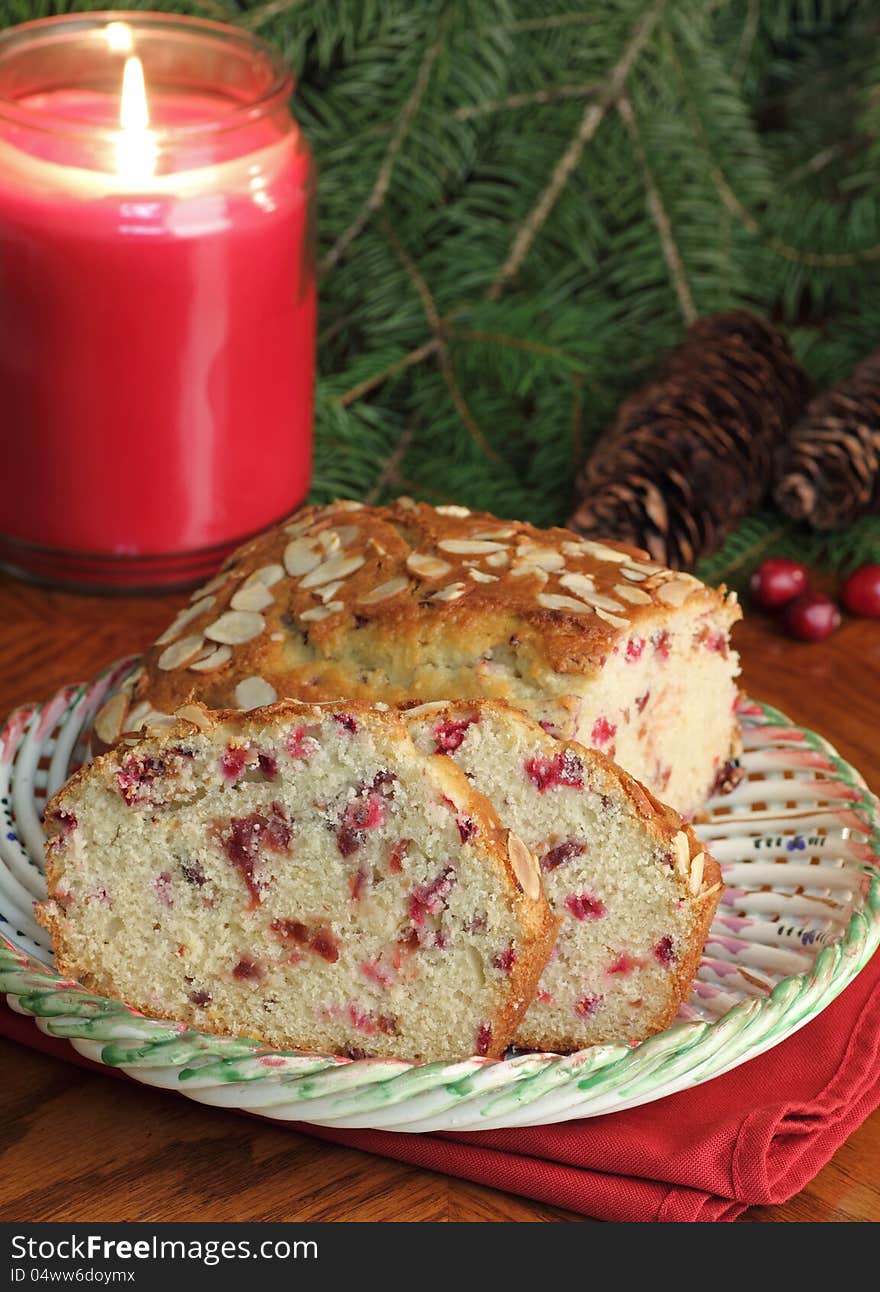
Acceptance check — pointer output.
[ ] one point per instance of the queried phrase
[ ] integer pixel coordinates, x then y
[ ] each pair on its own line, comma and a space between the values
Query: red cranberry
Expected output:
584, 906
484, 1038
602, 732
776, 582
587, 1005
811, 617
664, 952
564, 768
861, 592
450, 732
506, 959
561, 853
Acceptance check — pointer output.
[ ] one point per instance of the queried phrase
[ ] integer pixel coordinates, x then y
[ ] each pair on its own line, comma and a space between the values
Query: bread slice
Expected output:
634, 889
411, 602
302, 875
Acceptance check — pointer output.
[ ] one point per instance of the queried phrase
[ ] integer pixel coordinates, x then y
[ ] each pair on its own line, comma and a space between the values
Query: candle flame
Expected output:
136, 144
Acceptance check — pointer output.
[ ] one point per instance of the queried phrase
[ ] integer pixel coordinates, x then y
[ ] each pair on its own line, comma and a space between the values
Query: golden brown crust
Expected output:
355, 601
539, 925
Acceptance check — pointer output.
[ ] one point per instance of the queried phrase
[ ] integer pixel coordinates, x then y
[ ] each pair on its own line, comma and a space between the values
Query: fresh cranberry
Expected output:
506, 959
777, 581
162, 889
642, 700
450, 732
299, 745
587, 1005
232, 762
347, 722
663, 951
324, 944
201, 997
811, 617
484, 1038
623, 964
320, 940
249, 835
715, 642
584, 906
361, 1020
634, 648
356, 884
729, 776
387, 1024
248, 970
398, 856
660, 642
602, 732
268, 766
561, 853
861, 592
431, 897
291, 931
376, 972
136, 776
564, 768
467, 827
366, 812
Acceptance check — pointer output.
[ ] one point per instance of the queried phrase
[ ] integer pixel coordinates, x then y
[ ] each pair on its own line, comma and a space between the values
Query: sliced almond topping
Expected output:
574, 549
492, 535
637, 596
546, 558
297, 527
209, 663
695, 882
110, 718
614, 620
681, 848
598, 602
337, 567
603, 553
236, 627
635, 576
180, 652
300, 556
581, 585
675, 592
252, 692
322, 612
469, 546
421, 710
408, 503
346, 534
644, 567
498, 560
140, 714
452, 509
452, 592
383, 591
215, 583
525, 570
195, 714
348, 504
524, 866
426, 566
479, 576
185, 617
256, 597
552, 601
328, 539
328, 592
266, 576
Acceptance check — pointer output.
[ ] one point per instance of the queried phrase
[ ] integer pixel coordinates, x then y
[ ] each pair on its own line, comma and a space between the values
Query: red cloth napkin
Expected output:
755, 1136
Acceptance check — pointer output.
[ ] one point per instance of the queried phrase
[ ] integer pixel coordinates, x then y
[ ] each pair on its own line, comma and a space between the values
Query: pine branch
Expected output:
589, 124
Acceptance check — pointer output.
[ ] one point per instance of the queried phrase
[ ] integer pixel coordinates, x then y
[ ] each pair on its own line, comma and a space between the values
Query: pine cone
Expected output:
691, 454
828, 472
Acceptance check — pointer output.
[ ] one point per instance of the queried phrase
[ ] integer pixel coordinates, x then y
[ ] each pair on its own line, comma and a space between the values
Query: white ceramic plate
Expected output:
799, 844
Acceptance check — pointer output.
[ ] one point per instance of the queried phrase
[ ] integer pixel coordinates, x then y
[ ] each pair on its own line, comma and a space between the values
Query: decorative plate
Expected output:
799, 844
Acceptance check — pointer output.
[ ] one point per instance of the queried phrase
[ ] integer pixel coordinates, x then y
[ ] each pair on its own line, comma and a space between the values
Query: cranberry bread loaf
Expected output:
635, 891
302, 875
411, 602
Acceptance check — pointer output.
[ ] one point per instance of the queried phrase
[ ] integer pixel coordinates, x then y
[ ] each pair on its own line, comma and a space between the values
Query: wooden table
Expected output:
79, 1146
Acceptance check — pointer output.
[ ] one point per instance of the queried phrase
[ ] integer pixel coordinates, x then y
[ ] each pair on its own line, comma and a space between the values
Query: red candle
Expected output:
157, 298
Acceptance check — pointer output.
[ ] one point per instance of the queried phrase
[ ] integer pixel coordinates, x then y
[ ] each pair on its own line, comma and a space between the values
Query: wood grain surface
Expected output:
80, 1146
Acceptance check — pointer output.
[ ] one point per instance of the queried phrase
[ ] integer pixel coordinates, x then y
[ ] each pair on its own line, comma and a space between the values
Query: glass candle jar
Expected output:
157, 298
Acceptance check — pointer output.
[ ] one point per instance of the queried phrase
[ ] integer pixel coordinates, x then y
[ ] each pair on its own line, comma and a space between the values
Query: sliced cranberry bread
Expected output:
411, 602
302, 875
634, 889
